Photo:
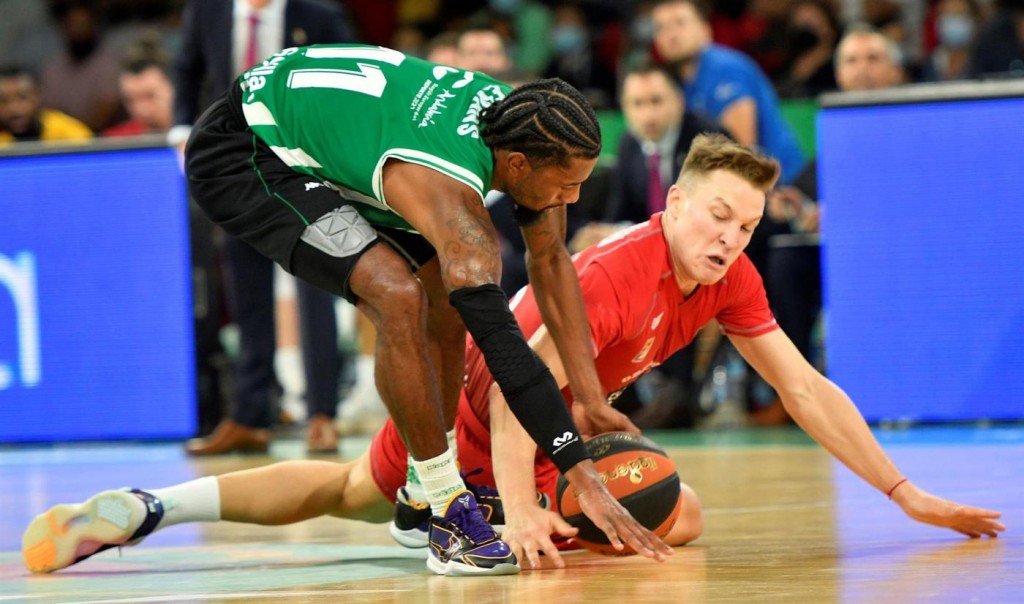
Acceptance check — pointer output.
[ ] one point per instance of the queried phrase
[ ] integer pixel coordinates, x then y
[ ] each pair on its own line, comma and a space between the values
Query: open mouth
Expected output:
717, 260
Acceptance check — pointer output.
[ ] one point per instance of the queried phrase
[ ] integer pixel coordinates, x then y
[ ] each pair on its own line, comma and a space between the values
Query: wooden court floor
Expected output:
784, 523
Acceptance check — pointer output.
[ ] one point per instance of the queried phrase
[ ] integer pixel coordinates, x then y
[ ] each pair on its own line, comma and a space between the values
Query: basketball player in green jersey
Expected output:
363, 171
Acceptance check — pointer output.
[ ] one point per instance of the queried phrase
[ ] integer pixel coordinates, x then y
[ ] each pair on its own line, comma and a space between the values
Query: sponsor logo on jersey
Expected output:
657, 321
425, 105
484, 98
424, 93
640, 356
636, 374
256, 78
440, 71
436, 108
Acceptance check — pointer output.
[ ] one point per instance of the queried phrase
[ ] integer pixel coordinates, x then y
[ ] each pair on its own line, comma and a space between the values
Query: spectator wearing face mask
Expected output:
574, 60
956, 24
812, 30
530, 21
639, 38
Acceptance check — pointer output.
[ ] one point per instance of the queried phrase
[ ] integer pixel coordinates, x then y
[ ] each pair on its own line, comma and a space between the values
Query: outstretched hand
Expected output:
528, 531
608, 514
598, 418
929, 509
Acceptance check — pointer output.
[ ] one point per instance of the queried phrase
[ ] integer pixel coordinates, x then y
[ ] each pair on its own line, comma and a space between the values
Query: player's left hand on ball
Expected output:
528, 531
969, 520
598, 418
608, 514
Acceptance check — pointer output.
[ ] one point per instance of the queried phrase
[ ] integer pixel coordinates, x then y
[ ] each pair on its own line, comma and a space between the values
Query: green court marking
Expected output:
743, 437
213, 568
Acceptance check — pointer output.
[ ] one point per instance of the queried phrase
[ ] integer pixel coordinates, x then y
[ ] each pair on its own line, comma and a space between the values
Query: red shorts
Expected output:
389, 457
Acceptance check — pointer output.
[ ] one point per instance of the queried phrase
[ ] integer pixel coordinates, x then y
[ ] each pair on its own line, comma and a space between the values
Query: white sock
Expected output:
193, 501
440, 479
453, 444
413, 488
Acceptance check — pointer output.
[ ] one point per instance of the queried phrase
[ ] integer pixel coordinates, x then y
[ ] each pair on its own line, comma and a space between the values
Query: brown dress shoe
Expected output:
321, 436
230, 437
772, 415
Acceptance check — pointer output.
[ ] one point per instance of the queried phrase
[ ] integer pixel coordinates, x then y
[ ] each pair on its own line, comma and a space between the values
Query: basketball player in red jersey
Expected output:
647, 292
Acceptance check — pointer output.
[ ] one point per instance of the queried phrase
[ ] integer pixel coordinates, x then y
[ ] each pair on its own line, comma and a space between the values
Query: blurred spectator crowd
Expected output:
72, 69
78, 51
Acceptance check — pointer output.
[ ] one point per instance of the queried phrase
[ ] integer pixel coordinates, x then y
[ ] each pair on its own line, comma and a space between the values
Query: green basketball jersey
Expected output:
338, 112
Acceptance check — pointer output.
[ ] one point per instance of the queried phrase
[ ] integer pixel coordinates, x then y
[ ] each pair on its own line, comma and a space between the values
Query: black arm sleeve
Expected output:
528, 386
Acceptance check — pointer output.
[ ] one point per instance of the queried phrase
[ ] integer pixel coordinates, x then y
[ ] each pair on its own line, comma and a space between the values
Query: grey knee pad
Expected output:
340, 233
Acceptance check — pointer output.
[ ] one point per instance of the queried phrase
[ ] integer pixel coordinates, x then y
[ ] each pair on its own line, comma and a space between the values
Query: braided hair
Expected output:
549, 121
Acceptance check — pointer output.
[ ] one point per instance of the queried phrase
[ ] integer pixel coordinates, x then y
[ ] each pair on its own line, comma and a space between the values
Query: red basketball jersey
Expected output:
638, 316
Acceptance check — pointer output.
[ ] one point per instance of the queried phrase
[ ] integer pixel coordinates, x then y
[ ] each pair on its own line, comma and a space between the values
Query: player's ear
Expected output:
674, 197
518, 165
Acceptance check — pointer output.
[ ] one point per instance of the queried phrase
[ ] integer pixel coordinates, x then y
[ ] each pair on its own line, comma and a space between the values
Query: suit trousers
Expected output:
250, 288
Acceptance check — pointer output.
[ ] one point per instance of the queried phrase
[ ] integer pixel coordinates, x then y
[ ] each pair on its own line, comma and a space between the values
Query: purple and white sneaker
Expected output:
463, 544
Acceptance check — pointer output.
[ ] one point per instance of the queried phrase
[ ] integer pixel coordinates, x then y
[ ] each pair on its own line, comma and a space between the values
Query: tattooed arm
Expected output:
452, 217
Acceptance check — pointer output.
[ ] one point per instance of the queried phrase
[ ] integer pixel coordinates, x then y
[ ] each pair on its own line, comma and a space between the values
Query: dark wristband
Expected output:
527, 384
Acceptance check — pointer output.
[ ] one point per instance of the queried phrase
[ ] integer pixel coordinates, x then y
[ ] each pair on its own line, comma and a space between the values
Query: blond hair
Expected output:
710, 152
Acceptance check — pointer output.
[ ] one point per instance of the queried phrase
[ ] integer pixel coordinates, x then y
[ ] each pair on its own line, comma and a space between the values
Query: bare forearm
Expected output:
831, 418
513, 452
560, 301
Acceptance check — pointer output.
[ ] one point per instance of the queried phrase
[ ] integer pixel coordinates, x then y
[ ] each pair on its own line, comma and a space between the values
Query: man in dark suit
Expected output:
220, 39
660, 131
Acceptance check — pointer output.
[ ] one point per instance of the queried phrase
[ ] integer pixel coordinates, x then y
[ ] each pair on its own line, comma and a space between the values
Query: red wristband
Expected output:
889, 494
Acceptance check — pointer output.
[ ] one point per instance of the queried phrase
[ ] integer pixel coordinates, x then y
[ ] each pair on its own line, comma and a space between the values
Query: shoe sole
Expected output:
55, 539
412, 538
458, 569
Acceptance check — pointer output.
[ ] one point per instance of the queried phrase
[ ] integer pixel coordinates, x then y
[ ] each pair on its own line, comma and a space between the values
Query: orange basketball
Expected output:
639, 474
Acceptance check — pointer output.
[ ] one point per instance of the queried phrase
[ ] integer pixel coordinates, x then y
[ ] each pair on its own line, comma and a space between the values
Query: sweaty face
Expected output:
652, 104
679, 31
863, 63
19, 102
551, 185
708, 223
148, 97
